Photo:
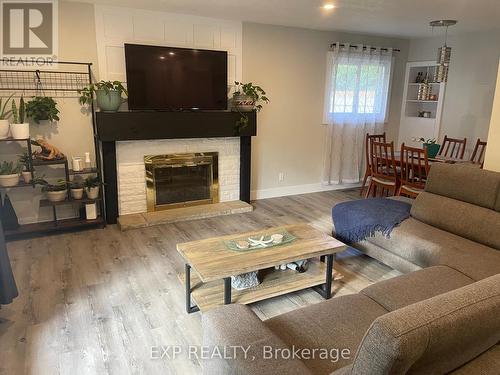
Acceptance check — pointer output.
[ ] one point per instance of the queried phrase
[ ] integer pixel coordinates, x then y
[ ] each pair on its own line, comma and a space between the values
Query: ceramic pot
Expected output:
20, 131
243, 103
26, 176
92, 193
9, 180
432, 149
108, 101
77, 193
4, 129
56, 196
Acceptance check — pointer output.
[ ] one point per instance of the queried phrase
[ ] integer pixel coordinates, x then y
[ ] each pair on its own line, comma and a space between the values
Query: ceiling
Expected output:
398, 18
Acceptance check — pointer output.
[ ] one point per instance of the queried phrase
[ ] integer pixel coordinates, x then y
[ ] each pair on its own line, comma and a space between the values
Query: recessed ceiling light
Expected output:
328, 6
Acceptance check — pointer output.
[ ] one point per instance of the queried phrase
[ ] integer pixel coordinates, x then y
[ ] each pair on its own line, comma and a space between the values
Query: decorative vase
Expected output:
91, 211
93, 192
245, 280
9, 180
4, 129
56, 196
20, 131
26, 176
243, 103
109, 101
77, 193
432, 149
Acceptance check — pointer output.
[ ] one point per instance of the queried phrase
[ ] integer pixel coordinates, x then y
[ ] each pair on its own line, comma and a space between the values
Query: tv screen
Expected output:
168, 78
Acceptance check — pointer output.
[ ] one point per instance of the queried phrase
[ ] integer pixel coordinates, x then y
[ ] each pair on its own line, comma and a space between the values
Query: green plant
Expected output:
19, 115
87, 93
24, 160
429, 141
4, 114
76, 184
8, 167
60, 185
91, 181
256, 93
42, 108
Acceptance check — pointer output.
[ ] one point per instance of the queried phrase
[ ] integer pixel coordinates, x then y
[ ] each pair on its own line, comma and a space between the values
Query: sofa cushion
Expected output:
338, 323
463, 219
434, 336
475, 186
407, 289
487, 363
426, 246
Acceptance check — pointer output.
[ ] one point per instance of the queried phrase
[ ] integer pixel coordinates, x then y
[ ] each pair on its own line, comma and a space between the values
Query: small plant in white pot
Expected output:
76, 189
4, 118
55, 192
92, 187
108, 95
25, 161
247, 98
19, 129
9, 174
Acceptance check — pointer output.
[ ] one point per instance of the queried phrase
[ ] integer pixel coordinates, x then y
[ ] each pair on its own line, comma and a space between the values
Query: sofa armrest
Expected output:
245, 338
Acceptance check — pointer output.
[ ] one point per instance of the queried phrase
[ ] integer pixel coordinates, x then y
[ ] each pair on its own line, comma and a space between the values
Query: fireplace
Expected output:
179, 180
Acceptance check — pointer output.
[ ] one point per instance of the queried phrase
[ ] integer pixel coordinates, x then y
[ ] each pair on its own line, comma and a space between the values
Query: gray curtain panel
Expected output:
8, 288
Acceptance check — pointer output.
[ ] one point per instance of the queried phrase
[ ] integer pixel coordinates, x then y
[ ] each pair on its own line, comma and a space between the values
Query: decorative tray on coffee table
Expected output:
258, 242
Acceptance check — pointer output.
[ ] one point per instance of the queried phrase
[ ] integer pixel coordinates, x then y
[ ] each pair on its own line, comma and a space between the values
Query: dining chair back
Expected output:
368, 141
478, 153
453, 148
414, 166
383, 169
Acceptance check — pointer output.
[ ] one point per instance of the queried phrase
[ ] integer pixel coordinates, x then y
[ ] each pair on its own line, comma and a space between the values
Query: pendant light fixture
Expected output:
444, 52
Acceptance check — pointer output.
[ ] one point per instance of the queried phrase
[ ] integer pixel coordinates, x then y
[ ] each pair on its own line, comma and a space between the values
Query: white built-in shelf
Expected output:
421, 101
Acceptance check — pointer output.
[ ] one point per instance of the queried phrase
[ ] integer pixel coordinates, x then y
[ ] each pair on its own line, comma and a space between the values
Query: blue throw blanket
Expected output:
356, 220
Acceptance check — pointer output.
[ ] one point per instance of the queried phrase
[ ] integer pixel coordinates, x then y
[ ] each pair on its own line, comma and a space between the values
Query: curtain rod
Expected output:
364, 47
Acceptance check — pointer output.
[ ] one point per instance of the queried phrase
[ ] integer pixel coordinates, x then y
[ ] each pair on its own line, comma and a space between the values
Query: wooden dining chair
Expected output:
452, 148
368, 140
478, 153
383, 170
414, 170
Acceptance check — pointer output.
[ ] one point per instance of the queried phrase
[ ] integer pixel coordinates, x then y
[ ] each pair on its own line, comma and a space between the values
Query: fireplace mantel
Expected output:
154, 125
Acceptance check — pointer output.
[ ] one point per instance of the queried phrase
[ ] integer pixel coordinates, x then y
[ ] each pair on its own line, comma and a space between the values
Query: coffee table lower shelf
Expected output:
274, 283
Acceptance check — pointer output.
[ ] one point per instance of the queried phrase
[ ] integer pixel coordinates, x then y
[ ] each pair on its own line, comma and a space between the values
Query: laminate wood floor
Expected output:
96, 302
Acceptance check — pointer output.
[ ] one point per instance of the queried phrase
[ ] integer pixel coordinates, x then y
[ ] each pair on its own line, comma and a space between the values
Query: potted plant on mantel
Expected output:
19, 129
42, 108
108, 95
4, 118
9, 174
247, 97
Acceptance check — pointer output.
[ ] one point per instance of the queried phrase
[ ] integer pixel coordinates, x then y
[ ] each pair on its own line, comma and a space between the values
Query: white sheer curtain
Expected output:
356, 99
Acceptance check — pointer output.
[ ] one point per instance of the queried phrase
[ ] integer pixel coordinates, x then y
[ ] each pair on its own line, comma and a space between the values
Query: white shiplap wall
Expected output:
117, 25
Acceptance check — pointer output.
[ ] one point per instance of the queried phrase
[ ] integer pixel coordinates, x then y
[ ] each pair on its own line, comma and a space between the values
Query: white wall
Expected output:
116, 26
492, 158
471, 82
290, 64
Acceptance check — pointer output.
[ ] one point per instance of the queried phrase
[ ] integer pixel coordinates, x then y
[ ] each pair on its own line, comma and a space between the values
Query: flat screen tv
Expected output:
168, 78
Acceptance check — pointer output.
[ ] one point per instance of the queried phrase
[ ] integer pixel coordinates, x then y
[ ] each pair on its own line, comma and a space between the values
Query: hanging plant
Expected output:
42, 108
247, 97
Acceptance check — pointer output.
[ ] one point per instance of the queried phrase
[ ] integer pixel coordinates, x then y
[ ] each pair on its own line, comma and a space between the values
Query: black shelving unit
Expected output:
66, 80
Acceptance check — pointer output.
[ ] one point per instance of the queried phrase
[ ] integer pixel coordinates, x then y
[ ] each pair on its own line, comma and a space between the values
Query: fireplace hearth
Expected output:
180, 180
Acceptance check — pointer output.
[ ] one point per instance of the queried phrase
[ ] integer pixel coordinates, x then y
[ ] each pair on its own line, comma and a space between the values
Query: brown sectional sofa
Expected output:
443, 316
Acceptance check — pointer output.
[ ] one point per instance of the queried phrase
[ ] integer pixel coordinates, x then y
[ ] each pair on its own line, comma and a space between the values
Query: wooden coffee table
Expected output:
214, 264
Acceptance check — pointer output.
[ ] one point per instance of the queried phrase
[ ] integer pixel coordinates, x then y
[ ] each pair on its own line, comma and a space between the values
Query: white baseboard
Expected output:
297, 189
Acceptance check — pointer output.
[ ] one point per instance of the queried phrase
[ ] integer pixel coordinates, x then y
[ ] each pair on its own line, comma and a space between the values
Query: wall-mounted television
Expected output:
168, 78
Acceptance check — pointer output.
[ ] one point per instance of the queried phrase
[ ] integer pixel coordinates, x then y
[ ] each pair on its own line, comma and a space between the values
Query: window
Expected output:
358, 84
